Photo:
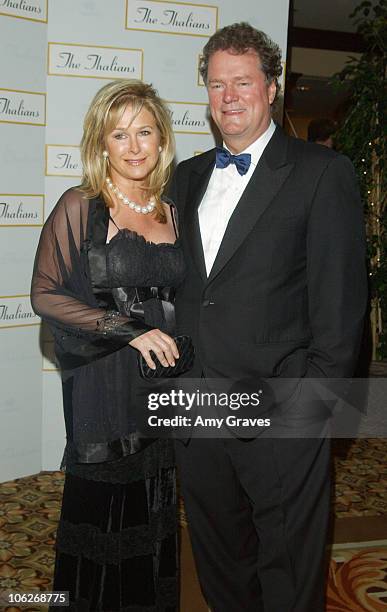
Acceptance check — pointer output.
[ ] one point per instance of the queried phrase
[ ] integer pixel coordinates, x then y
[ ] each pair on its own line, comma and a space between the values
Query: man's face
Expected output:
239, 97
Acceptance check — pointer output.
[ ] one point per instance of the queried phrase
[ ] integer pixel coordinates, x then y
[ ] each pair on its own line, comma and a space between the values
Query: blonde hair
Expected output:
103, 115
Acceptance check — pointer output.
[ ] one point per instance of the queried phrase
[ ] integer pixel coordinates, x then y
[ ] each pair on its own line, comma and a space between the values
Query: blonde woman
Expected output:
109, 246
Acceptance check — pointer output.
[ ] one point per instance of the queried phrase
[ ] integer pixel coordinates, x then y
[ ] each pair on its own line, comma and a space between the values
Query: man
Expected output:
321, 131
275, 288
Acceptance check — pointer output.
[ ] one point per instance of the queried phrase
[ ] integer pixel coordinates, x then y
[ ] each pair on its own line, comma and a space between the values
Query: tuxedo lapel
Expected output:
271, 172
198, 183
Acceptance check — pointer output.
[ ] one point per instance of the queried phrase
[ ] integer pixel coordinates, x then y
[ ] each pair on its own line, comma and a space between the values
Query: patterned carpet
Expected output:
29, 509
358, 578
360, 477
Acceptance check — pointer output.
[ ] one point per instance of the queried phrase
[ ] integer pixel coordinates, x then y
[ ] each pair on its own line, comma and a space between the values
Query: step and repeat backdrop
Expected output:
54, 56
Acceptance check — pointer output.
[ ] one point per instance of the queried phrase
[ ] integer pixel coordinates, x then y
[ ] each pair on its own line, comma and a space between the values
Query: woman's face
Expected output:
133, 146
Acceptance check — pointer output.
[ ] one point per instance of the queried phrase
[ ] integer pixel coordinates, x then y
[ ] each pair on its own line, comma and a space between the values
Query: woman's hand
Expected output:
162, 345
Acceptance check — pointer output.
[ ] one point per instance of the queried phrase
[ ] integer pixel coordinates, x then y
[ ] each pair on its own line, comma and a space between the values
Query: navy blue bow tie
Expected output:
224, 159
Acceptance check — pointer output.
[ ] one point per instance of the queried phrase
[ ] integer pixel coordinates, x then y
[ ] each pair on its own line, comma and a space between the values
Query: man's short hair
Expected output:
240, 38
321, 129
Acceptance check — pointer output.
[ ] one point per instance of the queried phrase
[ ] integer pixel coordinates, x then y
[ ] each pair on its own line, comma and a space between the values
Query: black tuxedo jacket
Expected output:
287, 293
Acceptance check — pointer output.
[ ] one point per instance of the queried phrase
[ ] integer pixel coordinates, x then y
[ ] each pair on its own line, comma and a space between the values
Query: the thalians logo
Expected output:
18, 106
34, 10
21, 210
63, 160
95, 62
16, 311
189, 118
171, 17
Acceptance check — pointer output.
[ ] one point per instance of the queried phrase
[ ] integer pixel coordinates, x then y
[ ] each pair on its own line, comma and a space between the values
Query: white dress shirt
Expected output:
223, 193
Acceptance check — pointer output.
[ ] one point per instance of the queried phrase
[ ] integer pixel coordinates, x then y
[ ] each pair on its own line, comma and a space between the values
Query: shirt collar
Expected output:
258, 146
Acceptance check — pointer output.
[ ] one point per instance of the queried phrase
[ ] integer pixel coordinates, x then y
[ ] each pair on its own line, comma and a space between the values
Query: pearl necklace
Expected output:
148, 208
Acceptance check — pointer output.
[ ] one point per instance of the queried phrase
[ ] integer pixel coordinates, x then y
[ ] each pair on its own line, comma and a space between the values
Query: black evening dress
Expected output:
116, 540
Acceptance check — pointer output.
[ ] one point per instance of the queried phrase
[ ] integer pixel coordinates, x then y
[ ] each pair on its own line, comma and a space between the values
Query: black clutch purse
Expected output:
183, 364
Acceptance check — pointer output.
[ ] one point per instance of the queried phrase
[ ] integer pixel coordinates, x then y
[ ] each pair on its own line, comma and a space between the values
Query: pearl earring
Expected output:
105, 154
160, 148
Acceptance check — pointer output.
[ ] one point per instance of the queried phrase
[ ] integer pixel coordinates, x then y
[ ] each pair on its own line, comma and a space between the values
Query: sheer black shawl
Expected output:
101, 400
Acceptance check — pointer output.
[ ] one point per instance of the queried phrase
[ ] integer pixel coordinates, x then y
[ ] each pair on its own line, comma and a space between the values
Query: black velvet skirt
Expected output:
117, 534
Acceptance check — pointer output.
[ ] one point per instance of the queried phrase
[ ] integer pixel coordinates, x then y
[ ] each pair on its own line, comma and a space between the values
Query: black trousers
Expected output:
258, 516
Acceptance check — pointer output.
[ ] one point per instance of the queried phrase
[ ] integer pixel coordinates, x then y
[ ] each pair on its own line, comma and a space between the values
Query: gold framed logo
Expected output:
16, 311
32, 10
22, 106
181, 18
189, 117
21, 209
63, 160
95, 62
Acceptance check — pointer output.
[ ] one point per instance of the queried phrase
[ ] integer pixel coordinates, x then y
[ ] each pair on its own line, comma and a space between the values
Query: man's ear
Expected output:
271, 90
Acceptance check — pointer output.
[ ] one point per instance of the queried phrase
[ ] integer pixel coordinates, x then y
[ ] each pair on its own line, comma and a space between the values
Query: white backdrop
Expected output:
23, 44
54, 56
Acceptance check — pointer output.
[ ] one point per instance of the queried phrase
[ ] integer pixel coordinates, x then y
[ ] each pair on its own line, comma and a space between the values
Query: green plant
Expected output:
362, 137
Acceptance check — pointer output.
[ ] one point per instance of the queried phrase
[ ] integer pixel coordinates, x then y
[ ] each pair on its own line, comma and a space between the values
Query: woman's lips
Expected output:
135, 162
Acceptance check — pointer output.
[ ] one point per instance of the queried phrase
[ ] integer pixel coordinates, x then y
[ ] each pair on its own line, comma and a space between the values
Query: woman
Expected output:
107, 254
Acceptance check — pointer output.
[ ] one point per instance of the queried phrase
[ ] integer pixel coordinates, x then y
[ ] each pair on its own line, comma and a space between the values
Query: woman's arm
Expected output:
62, 295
